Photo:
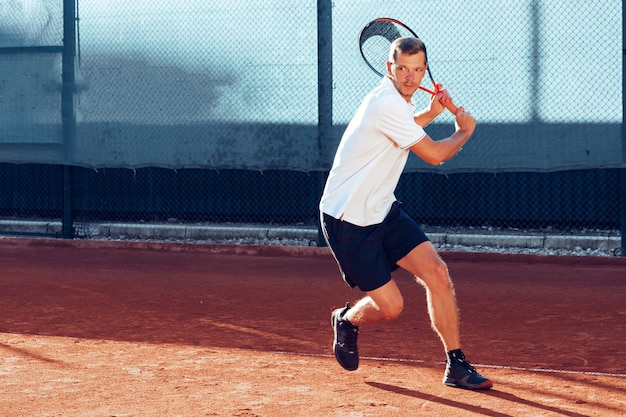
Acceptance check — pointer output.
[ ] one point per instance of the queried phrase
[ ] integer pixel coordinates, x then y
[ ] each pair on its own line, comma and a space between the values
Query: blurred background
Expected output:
230, 112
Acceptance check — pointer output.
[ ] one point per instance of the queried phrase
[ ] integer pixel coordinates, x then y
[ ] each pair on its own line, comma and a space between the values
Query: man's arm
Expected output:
424, 117
438, 152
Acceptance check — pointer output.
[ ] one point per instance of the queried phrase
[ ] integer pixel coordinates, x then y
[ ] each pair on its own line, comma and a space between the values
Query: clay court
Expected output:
168, 329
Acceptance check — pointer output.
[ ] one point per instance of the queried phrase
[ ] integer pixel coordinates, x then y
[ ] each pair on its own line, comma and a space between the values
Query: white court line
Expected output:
512, 368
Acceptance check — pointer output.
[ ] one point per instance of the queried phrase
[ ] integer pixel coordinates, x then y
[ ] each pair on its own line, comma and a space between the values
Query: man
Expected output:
367, 231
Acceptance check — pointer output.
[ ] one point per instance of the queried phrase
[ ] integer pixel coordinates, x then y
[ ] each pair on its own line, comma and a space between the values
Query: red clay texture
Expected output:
166, 329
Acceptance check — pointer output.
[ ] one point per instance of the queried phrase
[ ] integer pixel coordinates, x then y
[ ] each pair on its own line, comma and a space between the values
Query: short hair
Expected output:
406, 45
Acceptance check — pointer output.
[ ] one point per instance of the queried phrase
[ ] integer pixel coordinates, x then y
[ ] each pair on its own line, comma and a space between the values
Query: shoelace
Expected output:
467, 366
349, 341
461, 360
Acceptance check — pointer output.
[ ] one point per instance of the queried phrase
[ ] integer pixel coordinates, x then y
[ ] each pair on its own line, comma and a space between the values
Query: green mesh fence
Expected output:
191, 111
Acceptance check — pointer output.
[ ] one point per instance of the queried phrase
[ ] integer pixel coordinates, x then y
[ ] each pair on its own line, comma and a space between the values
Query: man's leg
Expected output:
382, 304
430, 270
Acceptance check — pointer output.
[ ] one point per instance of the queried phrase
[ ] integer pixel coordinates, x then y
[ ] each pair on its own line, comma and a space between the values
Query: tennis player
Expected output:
364, 225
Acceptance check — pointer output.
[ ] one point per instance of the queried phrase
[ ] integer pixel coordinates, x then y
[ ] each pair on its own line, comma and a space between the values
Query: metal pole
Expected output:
67, 112
324, 87
535, 67
622, 188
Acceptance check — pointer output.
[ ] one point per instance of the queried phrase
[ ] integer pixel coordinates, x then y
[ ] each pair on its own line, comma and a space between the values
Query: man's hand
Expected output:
439, 100
436, 106
443, 97
465, 121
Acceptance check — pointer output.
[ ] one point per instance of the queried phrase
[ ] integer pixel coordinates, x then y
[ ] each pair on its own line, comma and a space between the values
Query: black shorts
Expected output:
367, 255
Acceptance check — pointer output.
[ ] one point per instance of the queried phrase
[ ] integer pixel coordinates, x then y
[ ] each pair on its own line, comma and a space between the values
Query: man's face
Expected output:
407, 73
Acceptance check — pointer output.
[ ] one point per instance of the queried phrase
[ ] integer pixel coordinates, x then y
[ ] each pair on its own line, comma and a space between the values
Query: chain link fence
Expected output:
186, 112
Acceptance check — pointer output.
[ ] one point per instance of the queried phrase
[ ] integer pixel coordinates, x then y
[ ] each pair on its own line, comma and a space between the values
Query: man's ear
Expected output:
389, 64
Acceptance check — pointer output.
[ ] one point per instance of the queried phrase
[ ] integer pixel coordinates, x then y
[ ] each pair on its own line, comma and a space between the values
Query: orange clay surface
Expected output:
168, 329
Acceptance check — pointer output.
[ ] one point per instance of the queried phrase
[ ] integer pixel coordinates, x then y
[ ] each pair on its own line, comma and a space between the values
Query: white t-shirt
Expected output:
371, 157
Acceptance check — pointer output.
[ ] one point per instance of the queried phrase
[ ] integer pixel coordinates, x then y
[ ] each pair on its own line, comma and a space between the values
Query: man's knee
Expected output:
438, 278
387, 300
392, 309
440, 271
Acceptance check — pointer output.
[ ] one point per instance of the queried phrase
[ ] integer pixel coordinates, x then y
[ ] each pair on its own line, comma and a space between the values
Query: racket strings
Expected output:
375, 40
385, 29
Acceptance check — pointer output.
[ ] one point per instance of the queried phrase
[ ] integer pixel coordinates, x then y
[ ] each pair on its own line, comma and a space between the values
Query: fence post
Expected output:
68, 113
622, 187
324, 89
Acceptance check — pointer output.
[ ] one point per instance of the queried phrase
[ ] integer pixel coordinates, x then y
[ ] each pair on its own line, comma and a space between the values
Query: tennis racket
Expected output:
374, 42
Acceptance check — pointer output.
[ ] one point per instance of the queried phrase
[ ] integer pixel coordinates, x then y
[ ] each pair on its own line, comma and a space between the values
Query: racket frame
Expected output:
362, 40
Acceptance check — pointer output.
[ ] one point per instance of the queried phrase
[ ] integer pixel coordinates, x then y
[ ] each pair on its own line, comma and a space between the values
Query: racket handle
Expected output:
451, 106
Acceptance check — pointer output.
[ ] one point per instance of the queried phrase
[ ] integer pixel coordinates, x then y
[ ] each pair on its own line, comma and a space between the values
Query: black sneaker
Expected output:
344, 344
460, 374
